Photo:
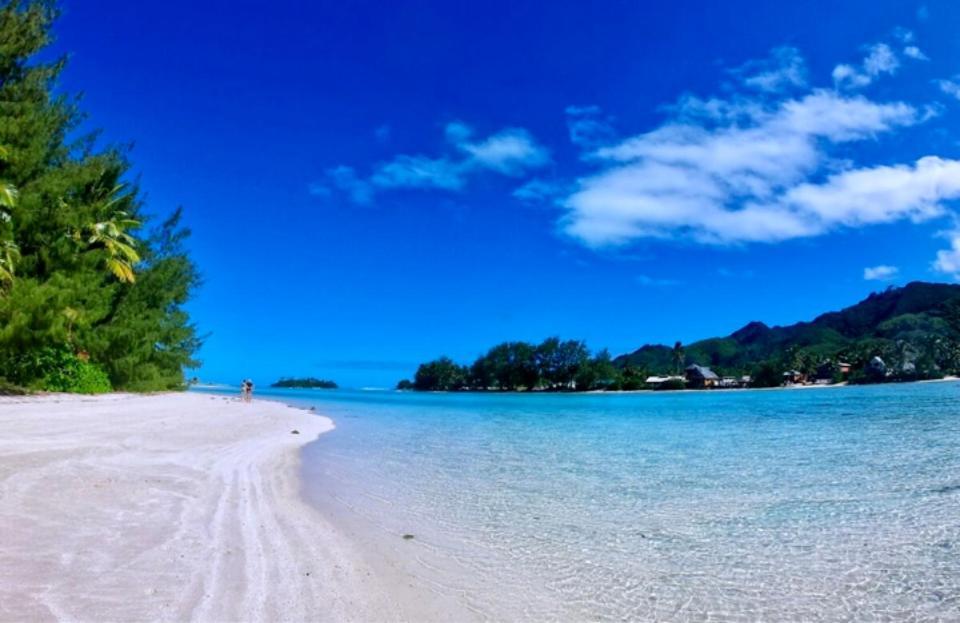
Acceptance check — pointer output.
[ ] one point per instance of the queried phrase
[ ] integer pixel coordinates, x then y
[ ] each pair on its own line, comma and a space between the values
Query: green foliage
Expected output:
767, 374
57, 369
553, 365
78, 271
440, 375
11, 389
558, 362
306, 383
632, 378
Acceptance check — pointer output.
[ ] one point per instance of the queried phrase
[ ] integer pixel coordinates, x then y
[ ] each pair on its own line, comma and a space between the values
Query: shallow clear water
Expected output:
822, 504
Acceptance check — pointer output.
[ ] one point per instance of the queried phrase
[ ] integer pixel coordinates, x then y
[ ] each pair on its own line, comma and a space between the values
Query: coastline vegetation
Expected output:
902, 334
305, 383
91, 296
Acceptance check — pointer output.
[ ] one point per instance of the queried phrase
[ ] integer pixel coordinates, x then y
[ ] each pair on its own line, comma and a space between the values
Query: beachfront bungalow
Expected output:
829, 370
701, 377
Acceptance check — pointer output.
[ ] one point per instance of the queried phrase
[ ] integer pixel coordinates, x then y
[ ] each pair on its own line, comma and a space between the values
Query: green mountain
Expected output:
915, 329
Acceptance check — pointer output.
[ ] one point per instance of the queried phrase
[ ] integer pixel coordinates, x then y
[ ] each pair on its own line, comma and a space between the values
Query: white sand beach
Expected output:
171, 507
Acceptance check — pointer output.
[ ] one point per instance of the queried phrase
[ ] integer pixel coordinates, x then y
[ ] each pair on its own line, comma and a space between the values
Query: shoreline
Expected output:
171, 507
660, 392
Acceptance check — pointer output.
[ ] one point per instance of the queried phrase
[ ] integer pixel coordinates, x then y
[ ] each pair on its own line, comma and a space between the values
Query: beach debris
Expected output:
407, 537
294, 432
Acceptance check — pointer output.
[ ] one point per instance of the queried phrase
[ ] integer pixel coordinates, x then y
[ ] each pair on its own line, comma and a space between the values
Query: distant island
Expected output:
901, 334
305, 383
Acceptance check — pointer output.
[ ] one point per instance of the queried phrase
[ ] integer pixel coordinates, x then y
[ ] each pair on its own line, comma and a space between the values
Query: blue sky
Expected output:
373, 184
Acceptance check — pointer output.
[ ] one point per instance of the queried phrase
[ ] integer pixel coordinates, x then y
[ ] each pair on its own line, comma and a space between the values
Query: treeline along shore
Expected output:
901, 334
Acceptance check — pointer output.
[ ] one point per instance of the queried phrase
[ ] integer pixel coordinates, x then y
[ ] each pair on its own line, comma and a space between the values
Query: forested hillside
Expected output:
917, 325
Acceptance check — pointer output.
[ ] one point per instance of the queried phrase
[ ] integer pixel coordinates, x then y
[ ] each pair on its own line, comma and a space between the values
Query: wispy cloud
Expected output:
737, 173
588, 126
880, 273
950, 87
784, 69
344, 178
539, 190
912, 51
761, 167
419, 172
948, 260
880, 59
646, 280
512, 152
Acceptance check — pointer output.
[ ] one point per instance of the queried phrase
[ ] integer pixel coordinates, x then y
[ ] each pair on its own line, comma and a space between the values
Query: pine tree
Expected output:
80, 278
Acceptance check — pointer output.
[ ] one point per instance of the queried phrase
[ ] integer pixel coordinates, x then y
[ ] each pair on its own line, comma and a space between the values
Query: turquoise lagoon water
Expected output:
807, 505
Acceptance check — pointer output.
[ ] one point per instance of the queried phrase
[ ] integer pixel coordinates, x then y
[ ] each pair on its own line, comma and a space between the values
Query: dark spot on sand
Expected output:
407, 537
294, 432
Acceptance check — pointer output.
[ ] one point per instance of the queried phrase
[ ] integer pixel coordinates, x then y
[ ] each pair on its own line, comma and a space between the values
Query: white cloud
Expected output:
880, 273
879, 194
512, 152
948, 260
950, 87
912, 51
848, 76
723, 182
784, 69
747, 169
880, 59
419, 172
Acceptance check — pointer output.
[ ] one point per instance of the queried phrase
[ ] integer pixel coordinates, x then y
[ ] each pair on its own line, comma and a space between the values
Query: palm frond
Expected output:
121, 270
9, 256
8, 195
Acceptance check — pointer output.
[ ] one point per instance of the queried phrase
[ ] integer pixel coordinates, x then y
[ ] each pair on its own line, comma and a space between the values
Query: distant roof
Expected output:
703, 372
663, 379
